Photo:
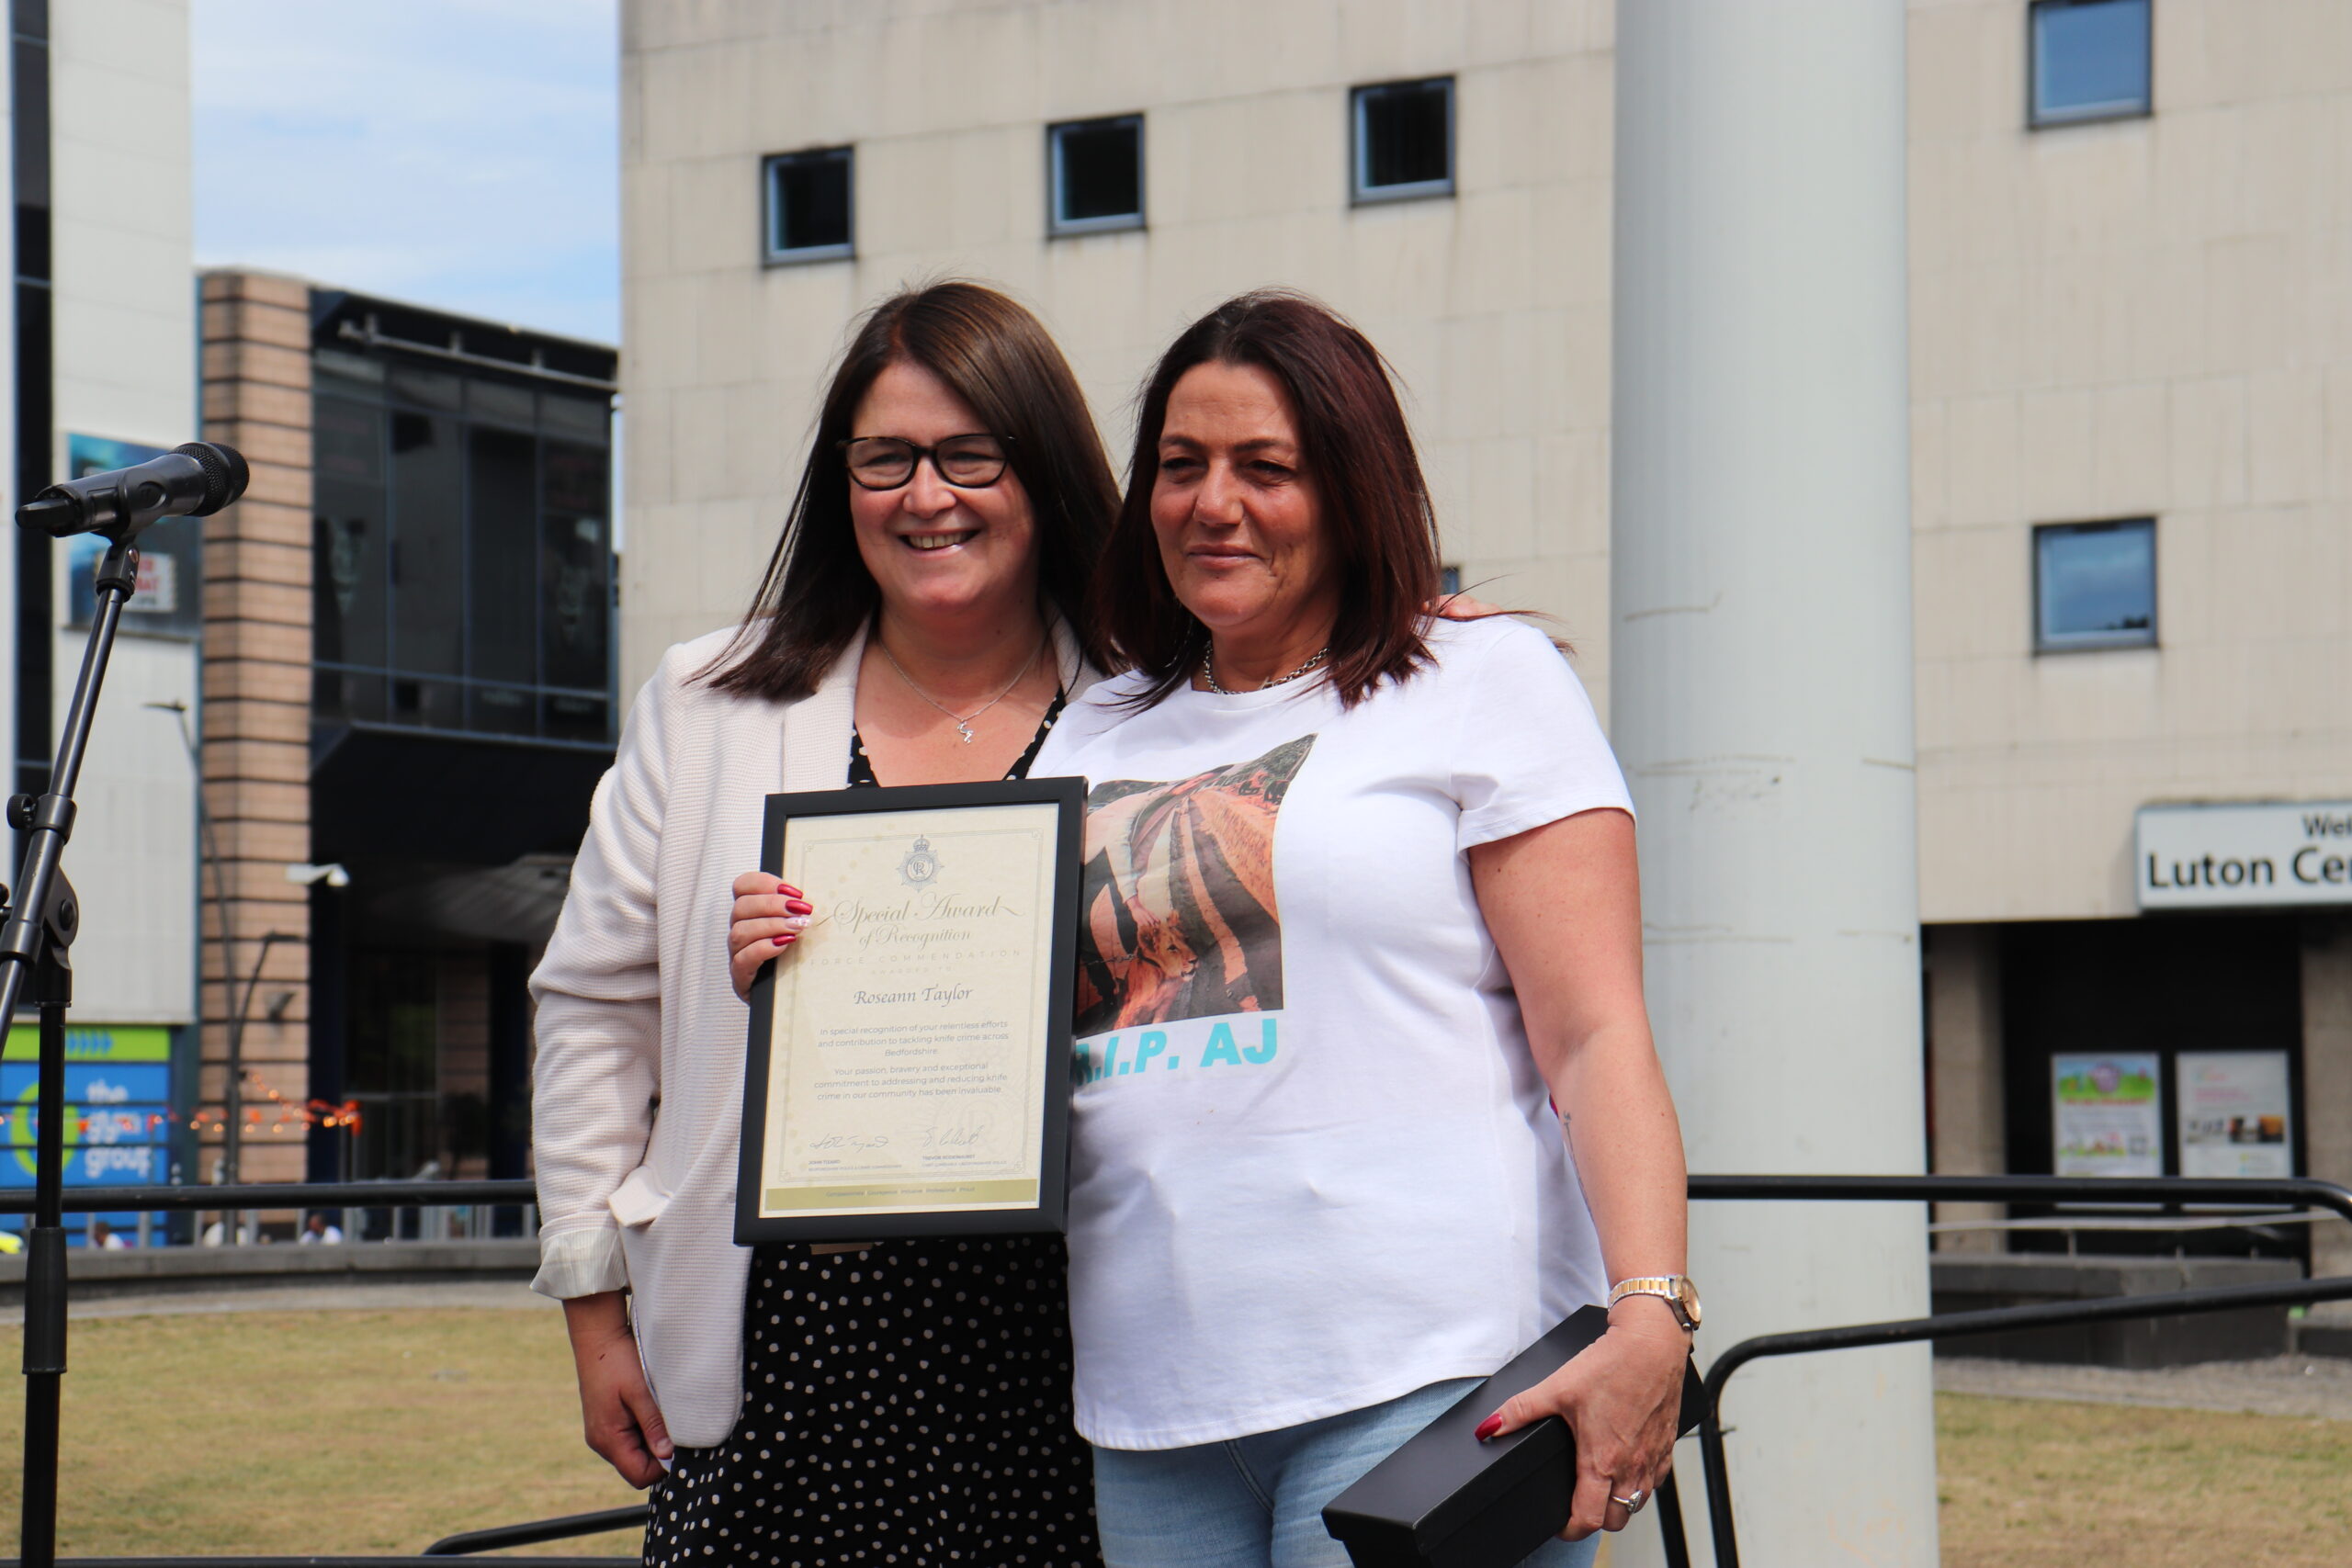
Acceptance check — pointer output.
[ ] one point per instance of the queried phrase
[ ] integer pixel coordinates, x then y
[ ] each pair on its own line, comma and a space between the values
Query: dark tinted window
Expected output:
1404, 140
348, 572
502, 483
462, 560
496, 400
808, 205
575, 594
2095, 584
432, 388
2090, 60
428, 531
1097, 169
347, 441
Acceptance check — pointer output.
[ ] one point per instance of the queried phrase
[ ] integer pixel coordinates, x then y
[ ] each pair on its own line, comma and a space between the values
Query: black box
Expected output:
1446, 1500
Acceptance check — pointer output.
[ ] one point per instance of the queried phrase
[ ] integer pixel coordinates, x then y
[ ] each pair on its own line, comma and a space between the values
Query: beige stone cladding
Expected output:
1492, 303
2147, 317
256, 725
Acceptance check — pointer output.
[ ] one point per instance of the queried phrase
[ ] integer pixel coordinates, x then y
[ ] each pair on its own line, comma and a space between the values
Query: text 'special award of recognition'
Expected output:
908, 1066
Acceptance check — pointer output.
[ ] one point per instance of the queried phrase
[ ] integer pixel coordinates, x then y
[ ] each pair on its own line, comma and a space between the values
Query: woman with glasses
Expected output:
902, 1401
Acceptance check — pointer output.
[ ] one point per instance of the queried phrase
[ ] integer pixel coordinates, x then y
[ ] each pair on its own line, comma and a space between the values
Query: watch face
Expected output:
1688, 1294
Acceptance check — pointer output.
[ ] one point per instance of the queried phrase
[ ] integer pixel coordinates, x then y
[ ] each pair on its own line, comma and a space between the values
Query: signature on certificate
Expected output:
853, 1141
959, 1131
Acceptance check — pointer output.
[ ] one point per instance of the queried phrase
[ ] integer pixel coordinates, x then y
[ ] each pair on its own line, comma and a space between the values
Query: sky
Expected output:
457, 153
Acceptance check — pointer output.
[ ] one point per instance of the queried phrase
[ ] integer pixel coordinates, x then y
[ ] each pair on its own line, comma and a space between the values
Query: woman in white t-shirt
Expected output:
1360, 909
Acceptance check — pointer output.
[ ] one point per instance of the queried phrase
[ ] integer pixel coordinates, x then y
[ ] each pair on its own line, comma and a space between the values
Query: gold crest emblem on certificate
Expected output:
920, 866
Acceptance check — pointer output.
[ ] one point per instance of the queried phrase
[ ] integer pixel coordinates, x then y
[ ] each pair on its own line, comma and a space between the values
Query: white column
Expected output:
1760, 700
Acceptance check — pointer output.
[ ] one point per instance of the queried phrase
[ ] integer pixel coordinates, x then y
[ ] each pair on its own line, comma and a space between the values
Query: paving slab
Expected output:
2314, 1386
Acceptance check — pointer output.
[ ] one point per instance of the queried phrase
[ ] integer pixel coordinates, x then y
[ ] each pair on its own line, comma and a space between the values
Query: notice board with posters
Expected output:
2106, 1114
2235, 1113
117, 1109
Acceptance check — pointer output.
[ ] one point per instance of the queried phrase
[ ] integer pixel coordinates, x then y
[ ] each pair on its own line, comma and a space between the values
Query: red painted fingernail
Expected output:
785, 940
788, 888
1490, 1426
800, 907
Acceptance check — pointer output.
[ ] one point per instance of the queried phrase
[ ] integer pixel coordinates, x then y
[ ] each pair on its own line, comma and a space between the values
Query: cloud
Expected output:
458, 153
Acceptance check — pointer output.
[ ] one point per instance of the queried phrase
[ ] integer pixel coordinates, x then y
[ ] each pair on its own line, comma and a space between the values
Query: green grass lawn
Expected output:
284, 1433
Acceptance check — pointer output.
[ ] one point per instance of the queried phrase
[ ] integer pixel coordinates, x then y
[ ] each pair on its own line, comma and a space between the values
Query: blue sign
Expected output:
118, 1109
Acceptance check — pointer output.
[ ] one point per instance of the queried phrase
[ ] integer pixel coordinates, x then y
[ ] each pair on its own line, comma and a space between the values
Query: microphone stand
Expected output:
38, 929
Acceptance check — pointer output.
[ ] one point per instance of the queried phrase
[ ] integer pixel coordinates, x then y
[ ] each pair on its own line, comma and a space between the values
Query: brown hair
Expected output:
1353, 444
998, 357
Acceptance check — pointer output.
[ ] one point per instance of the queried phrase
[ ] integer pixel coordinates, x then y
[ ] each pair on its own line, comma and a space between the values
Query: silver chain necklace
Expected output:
1208, 672
964, 722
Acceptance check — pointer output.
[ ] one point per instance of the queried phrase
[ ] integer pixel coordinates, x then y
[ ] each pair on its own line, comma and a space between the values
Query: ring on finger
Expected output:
1633, 1503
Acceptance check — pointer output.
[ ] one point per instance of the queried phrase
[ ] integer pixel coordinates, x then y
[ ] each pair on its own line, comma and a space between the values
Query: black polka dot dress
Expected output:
906, 1406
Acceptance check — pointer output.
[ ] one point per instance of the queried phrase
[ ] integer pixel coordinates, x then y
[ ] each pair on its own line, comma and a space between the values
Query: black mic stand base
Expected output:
34, 967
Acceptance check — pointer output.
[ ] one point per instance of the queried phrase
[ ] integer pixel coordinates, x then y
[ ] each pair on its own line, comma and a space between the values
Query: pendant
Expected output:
965, 732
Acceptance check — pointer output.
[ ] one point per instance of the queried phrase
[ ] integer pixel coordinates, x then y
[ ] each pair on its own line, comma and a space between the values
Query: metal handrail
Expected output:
295, 1561
2170, 1190
531, 1534
281, 1195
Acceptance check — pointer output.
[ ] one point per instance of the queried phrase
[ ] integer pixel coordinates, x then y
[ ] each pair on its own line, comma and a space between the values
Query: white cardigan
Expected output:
637, 1089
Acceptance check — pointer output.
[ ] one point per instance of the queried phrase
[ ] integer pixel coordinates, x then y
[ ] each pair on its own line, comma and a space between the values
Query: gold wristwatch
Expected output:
1676, 1290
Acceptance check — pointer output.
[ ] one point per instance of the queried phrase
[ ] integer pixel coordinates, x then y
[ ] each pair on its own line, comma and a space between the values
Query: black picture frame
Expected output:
1050, 1214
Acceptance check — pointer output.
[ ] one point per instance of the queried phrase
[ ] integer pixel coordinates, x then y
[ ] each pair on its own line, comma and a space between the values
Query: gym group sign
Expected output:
2223, 857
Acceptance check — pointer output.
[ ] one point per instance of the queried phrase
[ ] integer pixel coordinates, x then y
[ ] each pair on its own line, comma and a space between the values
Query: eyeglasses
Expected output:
885, 462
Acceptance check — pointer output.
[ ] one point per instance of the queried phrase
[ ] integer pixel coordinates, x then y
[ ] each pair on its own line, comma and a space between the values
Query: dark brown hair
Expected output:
1354, 445
998, 357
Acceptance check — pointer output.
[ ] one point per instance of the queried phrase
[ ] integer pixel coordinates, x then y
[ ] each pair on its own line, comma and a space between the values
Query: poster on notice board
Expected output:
2107, 1115
2234, 1113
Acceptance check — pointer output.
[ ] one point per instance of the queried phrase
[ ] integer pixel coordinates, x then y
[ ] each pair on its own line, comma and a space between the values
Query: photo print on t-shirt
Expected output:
1177, 895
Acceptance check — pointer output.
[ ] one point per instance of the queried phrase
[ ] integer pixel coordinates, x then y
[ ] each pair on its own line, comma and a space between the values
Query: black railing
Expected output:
2170, 1191
280, 1195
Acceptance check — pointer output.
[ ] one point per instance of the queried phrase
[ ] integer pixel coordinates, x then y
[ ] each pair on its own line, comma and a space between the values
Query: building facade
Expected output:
409, 700
100, 342
2131, 409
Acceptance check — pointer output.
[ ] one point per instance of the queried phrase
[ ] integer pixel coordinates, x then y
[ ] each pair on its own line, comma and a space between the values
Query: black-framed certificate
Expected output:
908, 1066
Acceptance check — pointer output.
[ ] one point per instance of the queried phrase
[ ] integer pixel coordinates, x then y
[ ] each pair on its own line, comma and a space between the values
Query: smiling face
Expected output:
1239, 520
936, 550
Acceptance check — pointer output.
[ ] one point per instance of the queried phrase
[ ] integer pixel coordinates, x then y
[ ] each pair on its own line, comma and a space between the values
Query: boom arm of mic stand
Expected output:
39, 927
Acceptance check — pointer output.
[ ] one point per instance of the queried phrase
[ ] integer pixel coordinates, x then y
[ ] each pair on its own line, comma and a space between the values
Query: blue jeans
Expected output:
1257, 1502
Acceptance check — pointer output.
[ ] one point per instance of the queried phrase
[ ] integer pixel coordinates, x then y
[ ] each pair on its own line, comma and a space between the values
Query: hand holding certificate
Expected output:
908, 1066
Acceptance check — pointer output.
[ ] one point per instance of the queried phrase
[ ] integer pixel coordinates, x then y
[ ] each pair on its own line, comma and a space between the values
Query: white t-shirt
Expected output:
1313, 1165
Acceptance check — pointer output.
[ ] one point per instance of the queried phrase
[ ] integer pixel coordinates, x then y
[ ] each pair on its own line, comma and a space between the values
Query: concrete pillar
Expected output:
2327, 1076
1970, 1133
1761, 702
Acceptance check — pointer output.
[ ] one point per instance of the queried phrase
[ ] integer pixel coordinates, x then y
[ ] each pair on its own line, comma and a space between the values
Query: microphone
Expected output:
194, 481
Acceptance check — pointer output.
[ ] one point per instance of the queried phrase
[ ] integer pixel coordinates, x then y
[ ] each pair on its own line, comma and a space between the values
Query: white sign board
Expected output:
2234, 1114
2236, 857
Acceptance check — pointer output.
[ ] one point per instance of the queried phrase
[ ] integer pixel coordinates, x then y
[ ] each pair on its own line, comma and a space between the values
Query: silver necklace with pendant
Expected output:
1208, 672
964, 722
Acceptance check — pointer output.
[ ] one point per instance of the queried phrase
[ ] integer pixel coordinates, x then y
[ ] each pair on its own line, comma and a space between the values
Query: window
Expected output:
1449, 579
807, 205
2090, 60
1094, 172
2095, 584
1404, 140
464, 566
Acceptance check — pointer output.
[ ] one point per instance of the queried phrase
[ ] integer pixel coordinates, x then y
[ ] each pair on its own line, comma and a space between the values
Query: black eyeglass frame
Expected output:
929, 454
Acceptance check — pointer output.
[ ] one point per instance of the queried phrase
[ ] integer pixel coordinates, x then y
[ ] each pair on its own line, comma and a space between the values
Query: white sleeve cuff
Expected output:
581, 1263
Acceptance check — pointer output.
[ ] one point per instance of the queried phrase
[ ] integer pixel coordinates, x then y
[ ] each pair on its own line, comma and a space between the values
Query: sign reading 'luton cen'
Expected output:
2222, 857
